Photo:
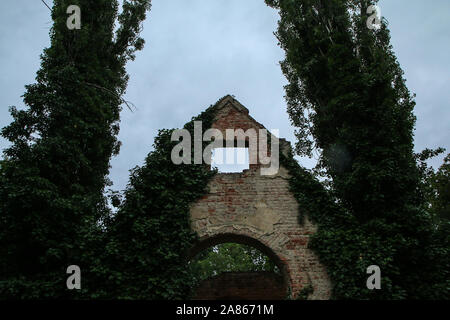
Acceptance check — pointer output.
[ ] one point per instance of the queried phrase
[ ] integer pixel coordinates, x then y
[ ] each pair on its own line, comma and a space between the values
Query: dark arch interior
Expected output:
255, 280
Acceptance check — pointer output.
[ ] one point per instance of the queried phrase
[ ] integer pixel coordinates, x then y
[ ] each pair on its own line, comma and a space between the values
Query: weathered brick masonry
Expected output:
242, 286
258, 210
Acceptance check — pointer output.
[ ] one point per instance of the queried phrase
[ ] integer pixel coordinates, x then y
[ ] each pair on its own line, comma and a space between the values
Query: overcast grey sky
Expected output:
199, 50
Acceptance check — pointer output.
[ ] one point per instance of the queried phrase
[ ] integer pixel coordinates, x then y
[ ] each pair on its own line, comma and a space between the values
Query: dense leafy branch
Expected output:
347, 95
53, 176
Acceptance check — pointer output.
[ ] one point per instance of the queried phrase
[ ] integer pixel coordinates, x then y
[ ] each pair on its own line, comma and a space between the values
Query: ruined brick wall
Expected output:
258, 210
242, 286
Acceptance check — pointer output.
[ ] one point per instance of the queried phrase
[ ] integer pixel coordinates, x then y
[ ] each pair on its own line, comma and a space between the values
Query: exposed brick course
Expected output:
242, 286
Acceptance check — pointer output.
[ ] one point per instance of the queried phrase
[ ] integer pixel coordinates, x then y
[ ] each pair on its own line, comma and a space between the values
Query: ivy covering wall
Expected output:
148, 238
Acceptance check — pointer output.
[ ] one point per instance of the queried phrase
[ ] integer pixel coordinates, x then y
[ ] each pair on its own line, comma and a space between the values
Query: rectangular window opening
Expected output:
228, 160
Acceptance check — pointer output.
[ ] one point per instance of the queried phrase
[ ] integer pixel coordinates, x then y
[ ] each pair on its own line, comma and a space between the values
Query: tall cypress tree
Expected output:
53, 177
347, 95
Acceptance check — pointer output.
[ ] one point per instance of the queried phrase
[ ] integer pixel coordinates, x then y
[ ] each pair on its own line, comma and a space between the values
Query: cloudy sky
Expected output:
199, 50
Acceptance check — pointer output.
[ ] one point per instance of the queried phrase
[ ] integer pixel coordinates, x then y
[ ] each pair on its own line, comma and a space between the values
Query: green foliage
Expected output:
53, 176
230, 257
346, 91
436, 186
150, 235
440, 181
305, 292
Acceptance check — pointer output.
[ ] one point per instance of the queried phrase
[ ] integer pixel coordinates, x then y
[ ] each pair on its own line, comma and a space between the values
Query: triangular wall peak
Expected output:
258, 210
231, 114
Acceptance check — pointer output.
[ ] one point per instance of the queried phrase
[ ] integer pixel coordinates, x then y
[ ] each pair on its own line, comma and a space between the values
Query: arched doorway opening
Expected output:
252, 272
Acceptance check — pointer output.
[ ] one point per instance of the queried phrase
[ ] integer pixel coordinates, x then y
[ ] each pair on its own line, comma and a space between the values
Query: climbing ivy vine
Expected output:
150, 235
